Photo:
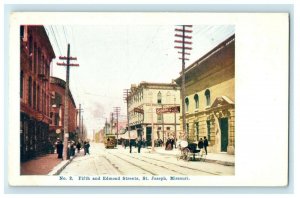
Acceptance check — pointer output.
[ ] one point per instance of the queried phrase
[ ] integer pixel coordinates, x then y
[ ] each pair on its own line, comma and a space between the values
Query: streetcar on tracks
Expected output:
110, 141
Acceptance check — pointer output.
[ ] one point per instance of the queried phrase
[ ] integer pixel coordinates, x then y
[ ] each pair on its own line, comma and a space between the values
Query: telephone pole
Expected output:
184, 30
66, 110
126, 93
79, 126
117, 112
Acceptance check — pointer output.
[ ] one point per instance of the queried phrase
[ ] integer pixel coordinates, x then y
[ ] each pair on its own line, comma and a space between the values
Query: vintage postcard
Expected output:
148, 99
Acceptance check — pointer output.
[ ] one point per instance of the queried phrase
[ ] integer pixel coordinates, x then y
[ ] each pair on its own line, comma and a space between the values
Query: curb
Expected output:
60, 167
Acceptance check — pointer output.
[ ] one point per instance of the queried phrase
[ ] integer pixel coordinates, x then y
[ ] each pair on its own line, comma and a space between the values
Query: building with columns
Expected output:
210, 98
143, 102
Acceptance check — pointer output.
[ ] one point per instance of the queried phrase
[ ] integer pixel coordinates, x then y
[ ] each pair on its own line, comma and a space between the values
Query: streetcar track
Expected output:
131, 163
182, 166
165, 167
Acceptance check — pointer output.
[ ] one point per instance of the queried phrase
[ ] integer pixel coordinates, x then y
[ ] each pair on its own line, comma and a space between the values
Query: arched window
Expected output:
34, 95
168, 98
186, 104
207, 96
196, 98
159, 98
30, 91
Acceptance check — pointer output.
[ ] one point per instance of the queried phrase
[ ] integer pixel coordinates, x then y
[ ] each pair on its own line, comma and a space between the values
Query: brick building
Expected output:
36, 54
209, 101
57, 89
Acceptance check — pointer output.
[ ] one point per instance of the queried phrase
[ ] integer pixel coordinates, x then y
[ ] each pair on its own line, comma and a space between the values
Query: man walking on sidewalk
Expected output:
205, 144
59, 149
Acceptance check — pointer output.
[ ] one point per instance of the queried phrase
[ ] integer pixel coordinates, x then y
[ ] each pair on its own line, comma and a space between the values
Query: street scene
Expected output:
119, 161
115, 101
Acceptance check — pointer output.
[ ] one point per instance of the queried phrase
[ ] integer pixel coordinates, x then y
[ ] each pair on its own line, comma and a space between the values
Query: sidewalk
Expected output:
219, 158
45, 165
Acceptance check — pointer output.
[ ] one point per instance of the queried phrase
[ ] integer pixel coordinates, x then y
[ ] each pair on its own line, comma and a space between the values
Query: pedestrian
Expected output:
200, 144
87, 148
59, 149
73, 148
84, 147
172, 143
205, 144
130, 146
139, 144
78, 146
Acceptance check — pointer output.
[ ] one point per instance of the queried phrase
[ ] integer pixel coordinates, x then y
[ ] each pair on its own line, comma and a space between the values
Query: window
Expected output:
168, 97
187, 130
56, 119
159, 98
34, 95
34, 57
168, 128
21, 84
30, 45
207, 96
186, 104
29, 91
196, 98
22, 31
159, 118
38, 98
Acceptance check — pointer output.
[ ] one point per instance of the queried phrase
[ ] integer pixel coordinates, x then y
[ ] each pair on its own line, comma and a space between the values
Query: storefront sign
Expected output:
175, 109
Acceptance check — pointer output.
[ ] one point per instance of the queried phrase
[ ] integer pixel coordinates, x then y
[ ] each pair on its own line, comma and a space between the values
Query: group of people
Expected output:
169, 144
203, 144
72, 146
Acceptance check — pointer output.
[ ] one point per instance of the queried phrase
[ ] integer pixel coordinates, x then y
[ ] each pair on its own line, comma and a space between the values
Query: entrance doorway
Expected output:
224, 134
148, 135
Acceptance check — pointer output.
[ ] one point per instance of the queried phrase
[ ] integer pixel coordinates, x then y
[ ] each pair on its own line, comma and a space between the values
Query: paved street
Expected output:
119, 161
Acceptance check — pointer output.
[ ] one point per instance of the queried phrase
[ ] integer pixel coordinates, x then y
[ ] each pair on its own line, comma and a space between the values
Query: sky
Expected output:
111, 58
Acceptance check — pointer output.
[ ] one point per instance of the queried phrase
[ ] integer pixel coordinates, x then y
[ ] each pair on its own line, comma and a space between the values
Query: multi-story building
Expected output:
143, 103
36, 56
57, 89
210, 96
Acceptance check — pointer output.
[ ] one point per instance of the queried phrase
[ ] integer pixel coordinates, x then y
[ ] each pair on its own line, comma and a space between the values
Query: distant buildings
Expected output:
210, 98
36, 57
143, 102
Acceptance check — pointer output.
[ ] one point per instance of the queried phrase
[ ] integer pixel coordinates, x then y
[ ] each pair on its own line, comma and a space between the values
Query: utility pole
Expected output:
82, 132
126, 93
106, 126
66, 110
111, 122
183, 41
117, 112
152, 125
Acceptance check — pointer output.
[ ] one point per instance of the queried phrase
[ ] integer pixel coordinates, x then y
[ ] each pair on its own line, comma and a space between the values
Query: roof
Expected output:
190, 69
61, 83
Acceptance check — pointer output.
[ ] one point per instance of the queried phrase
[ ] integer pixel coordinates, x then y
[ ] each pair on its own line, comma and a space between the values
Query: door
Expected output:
148, 135
224, 134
